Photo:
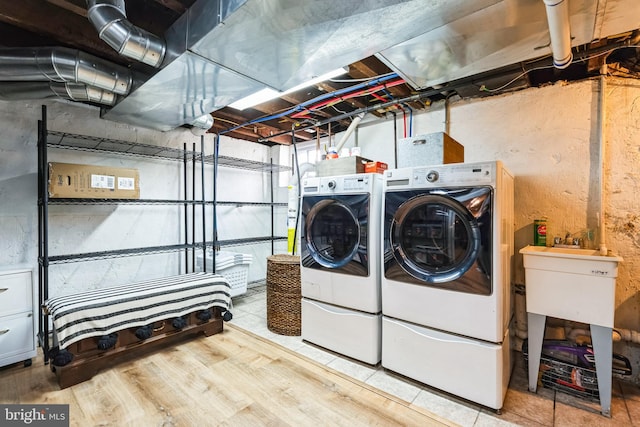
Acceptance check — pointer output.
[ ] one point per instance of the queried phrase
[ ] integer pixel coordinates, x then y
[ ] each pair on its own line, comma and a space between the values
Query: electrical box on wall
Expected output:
430, 149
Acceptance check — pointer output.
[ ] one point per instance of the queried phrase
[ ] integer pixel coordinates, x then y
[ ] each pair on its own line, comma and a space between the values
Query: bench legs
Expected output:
88, 360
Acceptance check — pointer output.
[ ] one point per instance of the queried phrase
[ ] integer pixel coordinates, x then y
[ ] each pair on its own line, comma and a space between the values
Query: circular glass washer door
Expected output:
332, 233
434, 238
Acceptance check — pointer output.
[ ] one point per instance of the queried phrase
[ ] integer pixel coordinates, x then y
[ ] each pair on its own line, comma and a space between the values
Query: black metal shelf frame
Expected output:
232, 162
61, 140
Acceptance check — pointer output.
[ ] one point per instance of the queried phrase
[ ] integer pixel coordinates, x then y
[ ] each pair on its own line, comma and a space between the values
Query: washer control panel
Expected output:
359, 183
450, 174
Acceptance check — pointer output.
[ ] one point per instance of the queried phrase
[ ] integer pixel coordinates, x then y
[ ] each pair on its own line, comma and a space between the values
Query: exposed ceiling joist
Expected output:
494, 41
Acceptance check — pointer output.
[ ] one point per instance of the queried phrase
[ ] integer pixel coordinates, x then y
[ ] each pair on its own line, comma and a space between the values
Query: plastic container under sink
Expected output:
574, 284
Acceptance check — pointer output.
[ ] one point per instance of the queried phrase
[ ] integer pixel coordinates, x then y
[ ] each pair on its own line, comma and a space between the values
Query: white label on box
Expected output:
103, 181
126, 183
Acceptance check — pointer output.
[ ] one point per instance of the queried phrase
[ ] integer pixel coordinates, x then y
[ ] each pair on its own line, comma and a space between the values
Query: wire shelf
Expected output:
571, 370
245, 164
567, 378
116, 253
63, 201
232, 203
248, 241
104, 145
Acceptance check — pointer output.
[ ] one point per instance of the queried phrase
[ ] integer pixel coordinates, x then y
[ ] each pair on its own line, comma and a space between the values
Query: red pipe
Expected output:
368, 91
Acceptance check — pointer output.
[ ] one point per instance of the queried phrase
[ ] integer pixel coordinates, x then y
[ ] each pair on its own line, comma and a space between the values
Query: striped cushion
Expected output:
103, 311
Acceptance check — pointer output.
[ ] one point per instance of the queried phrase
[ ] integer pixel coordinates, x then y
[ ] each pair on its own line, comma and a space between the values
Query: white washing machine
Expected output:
446, 293
340, 264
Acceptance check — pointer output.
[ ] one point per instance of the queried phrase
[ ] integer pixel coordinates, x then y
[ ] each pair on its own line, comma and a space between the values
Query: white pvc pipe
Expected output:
520, 311
602, 112
559, 32
617, 334
627, 335
354, 124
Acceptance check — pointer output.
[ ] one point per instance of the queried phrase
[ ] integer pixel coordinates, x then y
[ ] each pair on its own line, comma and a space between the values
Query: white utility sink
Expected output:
574, 284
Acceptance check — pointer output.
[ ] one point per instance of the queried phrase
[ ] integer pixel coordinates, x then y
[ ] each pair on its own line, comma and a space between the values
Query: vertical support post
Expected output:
40, 232
216, 152
193, 206
395, 140
44, 218
204, 223
186, 208
295, 170
273, 236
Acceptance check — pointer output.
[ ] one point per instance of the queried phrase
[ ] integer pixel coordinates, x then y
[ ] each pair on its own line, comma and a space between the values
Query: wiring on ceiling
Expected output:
338, 110
340, 98
404, 113
300, 107
576, 59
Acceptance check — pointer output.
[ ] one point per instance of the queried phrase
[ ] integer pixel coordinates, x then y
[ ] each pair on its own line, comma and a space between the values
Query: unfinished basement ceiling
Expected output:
220, 51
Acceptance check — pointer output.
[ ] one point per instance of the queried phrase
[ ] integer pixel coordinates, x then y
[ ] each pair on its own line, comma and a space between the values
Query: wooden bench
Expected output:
99, 328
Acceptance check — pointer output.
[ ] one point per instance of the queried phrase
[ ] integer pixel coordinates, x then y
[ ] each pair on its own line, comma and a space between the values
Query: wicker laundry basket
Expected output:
283, 294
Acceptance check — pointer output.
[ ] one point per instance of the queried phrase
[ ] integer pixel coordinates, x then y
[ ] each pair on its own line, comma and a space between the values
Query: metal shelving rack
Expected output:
60, 140
250, 165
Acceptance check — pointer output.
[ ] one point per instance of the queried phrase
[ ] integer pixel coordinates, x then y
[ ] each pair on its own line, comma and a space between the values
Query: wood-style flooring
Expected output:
233, 378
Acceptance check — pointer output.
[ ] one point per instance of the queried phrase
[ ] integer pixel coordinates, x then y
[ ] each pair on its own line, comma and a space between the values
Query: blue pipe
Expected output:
301, 106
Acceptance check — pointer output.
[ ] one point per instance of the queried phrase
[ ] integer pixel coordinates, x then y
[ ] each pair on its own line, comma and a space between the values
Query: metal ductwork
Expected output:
203, 122
60, 64
221, 51
12, 91
110, 19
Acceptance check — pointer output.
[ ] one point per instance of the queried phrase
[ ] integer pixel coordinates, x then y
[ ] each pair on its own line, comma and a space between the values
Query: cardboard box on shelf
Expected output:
74, 181
375, 167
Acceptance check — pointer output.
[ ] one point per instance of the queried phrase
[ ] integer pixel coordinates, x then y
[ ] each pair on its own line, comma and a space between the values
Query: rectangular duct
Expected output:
222, 50
500, 35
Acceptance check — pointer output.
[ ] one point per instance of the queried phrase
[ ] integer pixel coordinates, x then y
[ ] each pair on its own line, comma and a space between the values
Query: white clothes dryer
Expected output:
447, 253
340, 264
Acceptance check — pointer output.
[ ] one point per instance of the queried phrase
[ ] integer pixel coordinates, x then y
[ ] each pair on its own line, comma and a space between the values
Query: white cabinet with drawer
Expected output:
17, 316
